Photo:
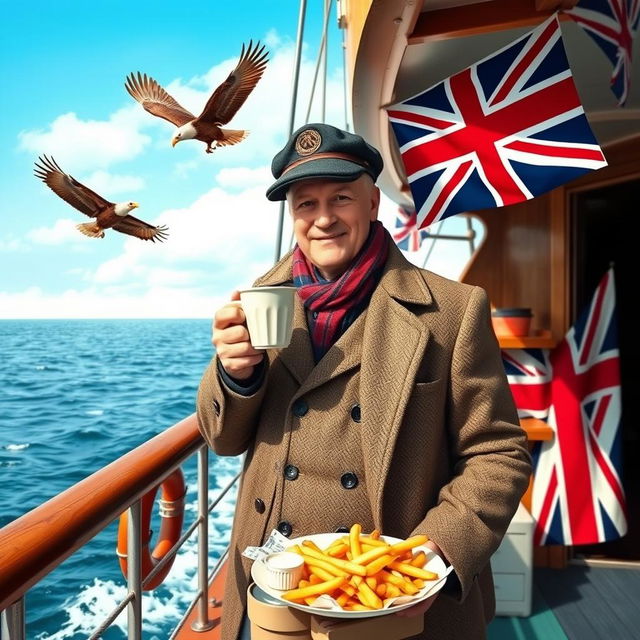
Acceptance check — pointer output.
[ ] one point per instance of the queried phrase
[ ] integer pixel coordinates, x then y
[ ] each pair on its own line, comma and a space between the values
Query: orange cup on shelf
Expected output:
511, 321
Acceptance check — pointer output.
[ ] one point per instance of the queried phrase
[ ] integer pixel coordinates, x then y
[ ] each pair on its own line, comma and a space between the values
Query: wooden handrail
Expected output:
37, 542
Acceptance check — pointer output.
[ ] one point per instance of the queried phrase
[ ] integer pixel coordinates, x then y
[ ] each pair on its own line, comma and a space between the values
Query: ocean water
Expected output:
74, 396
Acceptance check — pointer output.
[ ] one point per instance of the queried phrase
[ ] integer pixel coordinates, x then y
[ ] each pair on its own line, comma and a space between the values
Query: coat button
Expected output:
300, 408
342, 530
259, 505
285, 528
216, 407
291, 472
349, 480
356, 414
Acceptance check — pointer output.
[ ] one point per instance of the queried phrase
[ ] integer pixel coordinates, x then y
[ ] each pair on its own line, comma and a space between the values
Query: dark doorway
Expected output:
606, 229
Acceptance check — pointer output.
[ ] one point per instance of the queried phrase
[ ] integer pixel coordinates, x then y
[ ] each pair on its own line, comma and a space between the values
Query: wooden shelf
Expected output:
536, 429
542, 340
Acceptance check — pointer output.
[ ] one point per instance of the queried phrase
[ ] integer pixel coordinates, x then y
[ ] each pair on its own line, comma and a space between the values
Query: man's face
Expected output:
331, 220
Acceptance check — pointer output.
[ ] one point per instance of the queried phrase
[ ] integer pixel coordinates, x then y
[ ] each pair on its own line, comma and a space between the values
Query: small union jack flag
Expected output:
406, 234
529, 375
578, 497
502, 131
613, 25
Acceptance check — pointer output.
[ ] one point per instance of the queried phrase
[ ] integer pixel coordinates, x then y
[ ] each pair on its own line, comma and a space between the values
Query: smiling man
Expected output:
390, 407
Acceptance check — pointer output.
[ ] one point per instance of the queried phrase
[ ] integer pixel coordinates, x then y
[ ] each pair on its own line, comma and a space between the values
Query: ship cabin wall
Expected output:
549, 254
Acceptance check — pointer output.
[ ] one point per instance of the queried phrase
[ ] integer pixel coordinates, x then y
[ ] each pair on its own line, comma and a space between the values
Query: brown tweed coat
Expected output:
440, 448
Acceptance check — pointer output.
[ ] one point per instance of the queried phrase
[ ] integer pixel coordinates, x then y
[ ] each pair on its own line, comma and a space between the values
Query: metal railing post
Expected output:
203, 623
134, 571
13, 621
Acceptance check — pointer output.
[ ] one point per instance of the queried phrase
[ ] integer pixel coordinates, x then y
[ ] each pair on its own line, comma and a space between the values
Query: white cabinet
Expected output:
512, 566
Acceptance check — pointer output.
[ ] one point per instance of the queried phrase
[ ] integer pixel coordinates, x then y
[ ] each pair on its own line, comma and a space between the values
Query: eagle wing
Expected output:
156, 100
134, 227
69, 189
231, 94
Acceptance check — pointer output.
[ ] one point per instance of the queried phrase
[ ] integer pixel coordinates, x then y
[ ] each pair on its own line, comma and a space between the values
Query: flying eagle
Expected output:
107, 214
220, 108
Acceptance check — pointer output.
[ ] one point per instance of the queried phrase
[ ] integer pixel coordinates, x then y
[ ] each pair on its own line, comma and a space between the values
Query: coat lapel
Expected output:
394, 342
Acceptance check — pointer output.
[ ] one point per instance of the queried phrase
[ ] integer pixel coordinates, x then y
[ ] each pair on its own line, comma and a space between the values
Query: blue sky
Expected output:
63, 67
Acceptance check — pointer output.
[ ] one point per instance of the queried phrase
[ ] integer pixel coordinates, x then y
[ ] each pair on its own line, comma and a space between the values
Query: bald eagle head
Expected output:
185, 132
122, 208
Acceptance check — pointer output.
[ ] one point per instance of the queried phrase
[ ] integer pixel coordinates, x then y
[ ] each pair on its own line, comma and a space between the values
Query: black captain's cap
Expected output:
322, 151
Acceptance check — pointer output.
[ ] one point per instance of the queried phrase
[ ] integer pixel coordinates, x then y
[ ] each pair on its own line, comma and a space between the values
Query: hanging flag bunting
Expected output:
504, 130
406, 234
578, 497
612, 24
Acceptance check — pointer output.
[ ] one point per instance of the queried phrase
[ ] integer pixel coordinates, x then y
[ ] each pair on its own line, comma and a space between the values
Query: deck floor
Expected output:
578, 603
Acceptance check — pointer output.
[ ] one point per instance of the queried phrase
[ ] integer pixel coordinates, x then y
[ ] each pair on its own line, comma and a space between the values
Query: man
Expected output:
389, 407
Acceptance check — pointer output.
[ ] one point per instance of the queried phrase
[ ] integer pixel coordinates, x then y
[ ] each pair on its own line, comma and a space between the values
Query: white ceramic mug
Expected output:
269, 313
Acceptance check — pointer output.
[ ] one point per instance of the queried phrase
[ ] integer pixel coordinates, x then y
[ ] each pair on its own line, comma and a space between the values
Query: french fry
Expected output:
374, 542
314, 589
375, 534
409, 543
372, 582
368, 596
419, 559
372, 554
344, 565
321, 573
379, 564
381, 589
323, 564
414, 572
403, 584
392, 590
354, 540
338, 550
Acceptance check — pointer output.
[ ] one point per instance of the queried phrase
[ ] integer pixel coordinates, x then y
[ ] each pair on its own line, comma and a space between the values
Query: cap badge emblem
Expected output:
308, 142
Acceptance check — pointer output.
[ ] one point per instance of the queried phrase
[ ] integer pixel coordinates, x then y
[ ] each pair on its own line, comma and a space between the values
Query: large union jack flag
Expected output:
578, 497
502, 131
613, 25
406, 234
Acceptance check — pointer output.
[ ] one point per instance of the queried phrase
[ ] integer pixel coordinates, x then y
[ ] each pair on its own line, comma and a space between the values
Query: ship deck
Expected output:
582, 602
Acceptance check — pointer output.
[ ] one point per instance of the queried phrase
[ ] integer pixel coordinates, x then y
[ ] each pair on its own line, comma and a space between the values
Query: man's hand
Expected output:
231, 340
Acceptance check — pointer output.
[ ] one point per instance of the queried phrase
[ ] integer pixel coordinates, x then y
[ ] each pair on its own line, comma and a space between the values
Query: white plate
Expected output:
434, 563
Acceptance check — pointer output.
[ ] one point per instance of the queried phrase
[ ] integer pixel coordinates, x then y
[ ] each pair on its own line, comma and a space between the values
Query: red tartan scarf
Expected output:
335, 304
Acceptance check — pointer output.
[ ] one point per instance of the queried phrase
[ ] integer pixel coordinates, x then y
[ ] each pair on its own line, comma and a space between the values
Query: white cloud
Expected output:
107, 184
62, 232
231, 235
243, 177
89, 144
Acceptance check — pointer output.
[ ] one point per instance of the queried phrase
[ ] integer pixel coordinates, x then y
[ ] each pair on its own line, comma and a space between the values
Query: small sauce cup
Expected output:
284, 570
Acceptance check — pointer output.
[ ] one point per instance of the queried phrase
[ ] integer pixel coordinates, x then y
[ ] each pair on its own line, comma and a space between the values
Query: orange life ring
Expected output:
172, 515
